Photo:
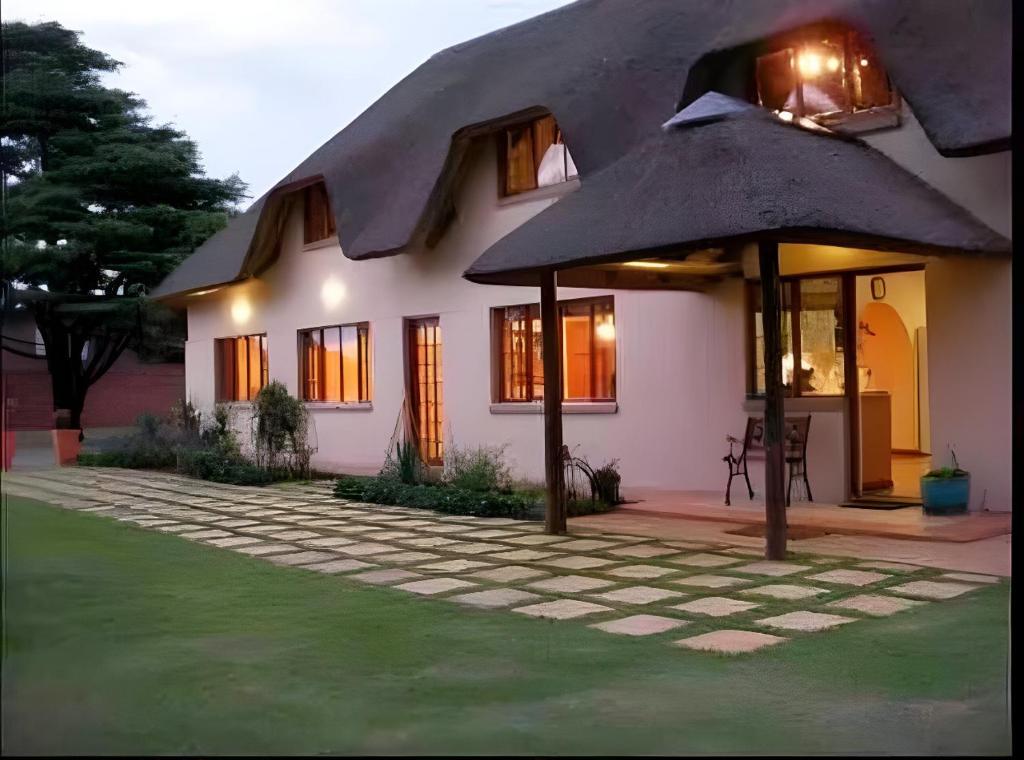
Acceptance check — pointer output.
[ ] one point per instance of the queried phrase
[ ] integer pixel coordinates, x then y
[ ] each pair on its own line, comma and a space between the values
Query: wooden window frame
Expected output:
219, 390
498, 354
364, 369
317, 216
503, 142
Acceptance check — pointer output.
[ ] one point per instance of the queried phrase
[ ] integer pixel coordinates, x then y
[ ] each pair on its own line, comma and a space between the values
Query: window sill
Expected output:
860, 122
802, 404
339, 406
325, 243
568, 407
548, 191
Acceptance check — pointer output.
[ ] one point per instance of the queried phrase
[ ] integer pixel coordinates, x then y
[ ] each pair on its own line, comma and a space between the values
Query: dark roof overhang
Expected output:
717, 185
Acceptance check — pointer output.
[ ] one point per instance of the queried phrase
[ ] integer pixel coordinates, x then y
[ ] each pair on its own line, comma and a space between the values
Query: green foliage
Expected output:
214, 465
606, 480
406, 466
101, 204
440, 498
946, 473
480, 469
281, 430
581, 507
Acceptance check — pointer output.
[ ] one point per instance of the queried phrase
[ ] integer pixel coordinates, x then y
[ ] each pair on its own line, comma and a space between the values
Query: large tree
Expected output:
99, 205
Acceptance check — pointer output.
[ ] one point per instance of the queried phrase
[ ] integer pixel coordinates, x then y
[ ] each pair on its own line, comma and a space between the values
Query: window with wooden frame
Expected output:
241, 366
588, 351
813, 328
533, 155
825, 72
335, 363
318, 220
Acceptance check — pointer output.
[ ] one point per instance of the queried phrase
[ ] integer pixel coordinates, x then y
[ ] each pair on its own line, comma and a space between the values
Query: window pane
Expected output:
787, 340
350, 363
241, 379
519, 168
776, 81
868, 79
318, 219
821, 343
514, 353
331, 367
265, 378
311, 381
821, 65
365, 380
538, 353
548, 152
576, 351
604, 351
255, 378
226, 370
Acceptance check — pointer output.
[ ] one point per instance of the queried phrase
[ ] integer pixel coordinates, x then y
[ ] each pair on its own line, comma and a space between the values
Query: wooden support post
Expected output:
774, 443
554, 518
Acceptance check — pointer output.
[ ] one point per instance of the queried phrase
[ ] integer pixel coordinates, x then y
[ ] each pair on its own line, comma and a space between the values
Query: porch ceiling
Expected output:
717, 185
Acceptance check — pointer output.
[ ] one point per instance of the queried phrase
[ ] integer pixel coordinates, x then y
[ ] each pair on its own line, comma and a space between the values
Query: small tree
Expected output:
280, 431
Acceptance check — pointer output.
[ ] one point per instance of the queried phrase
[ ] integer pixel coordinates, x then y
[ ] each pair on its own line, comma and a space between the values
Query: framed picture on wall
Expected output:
877, 288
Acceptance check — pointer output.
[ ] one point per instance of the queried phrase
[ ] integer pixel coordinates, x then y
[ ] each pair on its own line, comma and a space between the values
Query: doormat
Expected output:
793, 532
886, 505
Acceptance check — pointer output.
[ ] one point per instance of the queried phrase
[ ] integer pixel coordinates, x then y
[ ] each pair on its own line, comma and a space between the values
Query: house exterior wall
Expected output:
681, 357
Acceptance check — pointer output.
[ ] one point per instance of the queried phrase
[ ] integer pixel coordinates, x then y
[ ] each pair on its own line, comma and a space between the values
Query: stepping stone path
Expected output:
510, 565
640, 625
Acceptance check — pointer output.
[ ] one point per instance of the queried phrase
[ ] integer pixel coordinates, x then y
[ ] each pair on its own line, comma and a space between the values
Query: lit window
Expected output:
825, 73
533, 155
588, 351
241, 366
335, 363
812, 327
318, 220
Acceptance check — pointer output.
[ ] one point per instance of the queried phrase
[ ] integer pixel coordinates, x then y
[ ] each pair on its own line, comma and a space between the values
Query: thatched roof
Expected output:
743, 176
611, 71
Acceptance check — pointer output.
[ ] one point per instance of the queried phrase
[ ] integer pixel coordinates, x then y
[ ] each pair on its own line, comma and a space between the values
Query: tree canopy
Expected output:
100, 204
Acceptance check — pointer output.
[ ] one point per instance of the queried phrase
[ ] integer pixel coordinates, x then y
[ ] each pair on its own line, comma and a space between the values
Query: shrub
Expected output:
440, 498
130, 458
481, 469
406, 466
215, 466
606, 480
281, 431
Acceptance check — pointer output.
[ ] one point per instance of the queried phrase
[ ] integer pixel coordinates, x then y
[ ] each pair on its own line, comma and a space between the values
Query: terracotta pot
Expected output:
65, 446
8, 449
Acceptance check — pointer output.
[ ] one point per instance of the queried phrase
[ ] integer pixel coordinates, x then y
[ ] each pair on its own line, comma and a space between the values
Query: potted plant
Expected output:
946, 491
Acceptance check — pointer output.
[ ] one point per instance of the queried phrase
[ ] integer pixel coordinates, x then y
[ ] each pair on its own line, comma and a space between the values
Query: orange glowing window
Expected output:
241, 367
335, 363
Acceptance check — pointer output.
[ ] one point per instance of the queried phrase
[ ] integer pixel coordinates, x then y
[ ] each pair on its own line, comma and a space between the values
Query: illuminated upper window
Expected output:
826, 73
533, 155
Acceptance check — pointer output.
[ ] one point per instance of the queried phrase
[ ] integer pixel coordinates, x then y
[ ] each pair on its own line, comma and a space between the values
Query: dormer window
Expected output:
829, 74
533, 155
318, 221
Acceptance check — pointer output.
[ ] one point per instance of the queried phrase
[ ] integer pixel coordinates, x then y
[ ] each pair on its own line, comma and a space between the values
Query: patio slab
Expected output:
454, 566
473, 548
771, 568
562, 609
876, 604
339, 566
266, 549
365, 549
730, 641
785, 591
705, 560
570, 584
716, 606
805, 621
640, 572
523, 555
432, 586
510, 574
643, 551
710, 581
578, 562
932, 589
586, 545
327, 541
301, 558
429, 542
235, 541
495, 598
535, 540
640, 625
638, 595
386, 577
970, 577
849, 577
405, 558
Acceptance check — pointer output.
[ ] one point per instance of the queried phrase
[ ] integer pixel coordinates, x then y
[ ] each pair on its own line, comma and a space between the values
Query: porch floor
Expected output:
910, 522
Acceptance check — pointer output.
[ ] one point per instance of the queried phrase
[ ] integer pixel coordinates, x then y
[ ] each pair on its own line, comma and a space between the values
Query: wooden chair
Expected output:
753, 437
797, 430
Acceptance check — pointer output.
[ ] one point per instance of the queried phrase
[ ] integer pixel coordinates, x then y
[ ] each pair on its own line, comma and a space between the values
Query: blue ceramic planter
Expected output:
945, 496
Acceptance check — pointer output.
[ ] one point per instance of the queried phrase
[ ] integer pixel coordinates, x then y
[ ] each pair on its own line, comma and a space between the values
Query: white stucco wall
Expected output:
680, 356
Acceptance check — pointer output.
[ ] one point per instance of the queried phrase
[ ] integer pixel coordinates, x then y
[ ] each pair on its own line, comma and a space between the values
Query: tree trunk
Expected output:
554, 520
774, 451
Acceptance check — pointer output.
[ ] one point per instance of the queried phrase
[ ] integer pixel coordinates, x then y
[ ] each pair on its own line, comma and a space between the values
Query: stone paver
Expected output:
301, 558
235, 523
454, 566
390, 535
638, 595
932, 589
428, 542
876, 604
785, 591
640, 572
710, 581
365, 549
235, 541
405, 558
805, 621
293, 535
495, 598
578, 562
586, 545
716, 606
326, 541
522, 555
473, 548
970, 577
266, 549
643, 551
570, 584
730, 641
339, 566
849, 577
640, 625
432, 586
538, 540
901, 567
562, 609
705, 560
510, 574
772, 568
490, 533
386, 577
201, 535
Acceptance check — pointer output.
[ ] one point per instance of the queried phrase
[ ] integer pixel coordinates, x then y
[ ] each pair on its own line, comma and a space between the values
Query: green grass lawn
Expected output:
118, 640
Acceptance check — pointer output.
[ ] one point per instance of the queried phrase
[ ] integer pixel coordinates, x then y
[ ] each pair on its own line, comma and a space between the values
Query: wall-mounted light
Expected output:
204, 292
241, 310
605, 331
810, 64
646, 264
332, 293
